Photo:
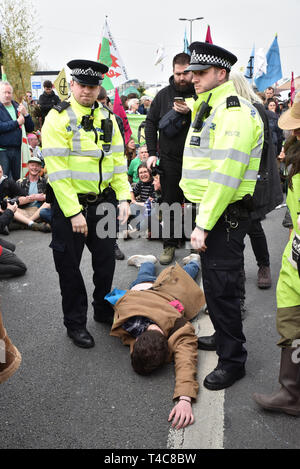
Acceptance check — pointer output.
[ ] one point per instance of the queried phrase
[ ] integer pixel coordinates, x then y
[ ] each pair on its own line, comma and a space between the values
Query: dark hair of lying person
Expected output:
150, 351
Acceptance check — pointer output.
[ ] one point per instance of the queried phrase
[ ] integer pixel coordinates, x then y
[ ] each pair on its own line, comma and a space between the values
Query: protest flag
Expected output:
61, 85
293, 91
109, 55
250, 67
208, 36
119, 111
186, 44
135, 120
274, 72
3, 74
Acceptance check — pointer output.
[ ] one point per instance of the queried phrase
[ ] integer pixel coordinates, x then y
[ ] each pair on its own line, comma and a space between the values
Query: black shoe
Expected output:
81, 338
221, 379
105, 318
119, 255
5, 231
207, 342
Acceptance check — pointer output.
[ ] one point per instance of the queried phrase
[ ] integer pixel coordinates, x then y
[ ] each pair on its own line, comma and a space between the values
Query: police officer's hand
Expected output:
124, 212
79, 224
198, 238
151, 162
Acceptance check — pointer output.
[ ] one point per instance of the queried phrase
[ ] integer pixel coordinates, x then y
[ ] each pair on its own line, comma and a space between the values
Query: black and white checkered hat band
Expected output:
86, 72
203, 59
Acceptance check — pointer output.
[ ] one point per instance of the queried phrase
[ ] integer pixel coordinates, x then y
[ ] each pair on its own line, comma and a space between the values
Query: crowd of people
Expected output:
213, 145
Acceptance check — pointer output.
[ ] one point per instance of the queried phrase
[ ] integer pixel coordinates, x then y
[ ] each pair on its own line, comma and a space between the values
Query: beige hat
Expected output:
290, 119
34, 159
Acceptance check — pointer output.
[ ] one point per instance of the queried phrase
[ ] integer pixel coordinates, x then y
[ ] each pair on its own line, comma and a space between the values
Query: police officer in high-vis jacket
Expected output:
220, 164
84, 155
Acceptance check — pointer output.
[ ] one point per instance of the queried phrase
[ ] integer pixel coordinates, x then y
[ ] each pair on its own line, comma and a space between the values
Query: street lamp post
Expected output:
191, 23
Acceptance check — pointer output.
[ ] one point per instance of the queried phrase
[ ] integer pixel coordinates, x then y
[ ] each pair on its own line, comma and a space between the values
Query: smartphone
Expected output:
179, 99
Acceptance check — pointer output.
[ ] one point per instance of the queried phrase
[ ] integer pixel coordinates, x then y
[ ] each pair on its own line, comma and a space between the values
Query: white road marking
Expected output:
208, 429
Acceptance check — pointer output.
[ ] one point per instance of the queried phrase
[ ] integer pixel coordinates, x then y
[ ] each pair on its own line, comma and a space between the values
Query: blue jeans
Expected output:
46, 215
10, 160
147, 272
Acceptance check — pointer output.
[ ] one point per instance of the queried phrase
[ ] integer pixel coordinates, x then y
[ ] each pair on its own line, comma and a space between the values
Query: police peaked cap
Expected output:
87, 72
205, 55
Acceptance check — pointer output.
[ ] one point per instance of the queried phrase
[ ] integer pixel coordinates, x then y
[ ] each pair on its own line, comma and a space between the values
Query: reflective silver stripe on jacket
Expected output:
65, 174
76, 134
120, 169
65, 152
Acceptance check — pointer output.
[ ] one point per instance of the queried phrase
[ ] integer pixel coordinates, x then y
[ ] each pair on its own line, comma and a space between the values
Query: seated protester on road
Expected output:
144, 188
10, 264
8, 187
153, 319
11, 191
130, 151
141, 196
34, 187
6, 216
142, 157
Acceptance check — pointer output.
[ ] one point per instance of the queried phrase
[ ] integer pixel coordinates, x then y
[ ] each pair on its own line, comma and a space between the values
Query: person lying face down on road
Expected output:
152, 317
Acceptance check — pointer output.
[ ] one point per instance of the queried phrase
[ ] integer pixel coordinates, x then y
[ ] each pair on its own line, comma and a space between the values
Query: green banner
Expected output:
135, 121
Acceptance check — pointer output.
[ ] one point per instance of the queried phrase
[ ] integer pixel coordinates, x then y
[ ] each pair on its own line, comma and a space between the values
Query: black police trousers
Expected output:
221, 270
171, 193
67, 249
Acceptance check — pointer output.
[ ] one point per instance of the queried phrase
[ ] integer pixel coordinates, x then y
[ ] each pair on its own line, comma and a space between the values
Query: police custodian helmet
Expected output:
87, 72
205, 55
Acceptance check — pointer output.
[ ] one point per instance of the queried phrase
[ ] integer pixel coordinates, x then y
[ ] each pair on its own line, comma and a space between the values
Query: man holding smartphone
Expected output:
174, 97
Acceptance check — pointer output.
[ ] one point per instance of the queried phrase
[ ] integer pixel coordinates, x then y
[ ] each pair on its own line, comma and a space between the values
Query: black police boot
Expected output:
221, 379
207, 342
81, 338
119, 255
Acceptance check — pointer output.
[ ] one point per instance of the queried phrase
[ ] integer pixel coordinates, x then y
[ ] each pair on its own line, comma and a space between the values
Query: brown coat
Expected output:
173, 283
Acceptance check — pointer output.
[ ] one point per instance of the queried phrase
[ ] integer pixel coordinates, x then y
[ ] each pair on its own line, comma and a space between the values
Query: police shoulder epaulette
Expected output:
232, 101
60, 107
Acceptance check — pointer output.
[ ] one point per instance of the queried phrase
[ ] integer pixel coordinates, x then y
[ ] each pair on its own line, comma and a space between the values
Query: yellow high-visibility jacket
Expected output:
221, 162
75, 163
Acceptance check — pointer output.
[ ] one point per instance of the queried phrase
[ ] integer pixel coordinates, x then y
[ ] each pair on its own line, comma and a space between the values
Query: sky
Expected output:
73, 29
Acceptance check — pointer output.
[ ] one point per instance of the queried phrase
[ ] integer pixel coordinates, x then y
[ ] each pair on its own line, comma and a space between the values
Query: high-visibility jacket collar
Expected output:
218, 93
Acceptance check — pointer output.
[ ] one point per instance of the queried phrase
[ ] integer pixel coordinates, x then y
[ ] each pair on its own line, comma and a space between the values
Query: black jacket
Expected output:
9, 188
46, 102
277, 133
5, 218
168, 149
267, 194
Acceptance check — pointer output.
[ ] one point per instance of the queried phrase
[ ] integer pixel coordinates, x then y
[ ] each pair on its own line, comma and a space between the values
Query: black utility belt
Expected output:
237, 210
91, 198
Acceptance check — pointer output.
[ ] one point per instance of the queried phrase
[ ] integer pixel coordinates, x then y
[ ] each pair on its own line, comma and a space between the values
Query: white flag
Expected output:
260, 63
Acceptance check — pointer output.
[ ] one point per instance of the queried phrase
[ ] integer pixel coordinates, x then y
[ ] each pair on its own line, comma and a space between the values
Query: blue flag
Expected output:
186, 44
250, 67
274, 72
